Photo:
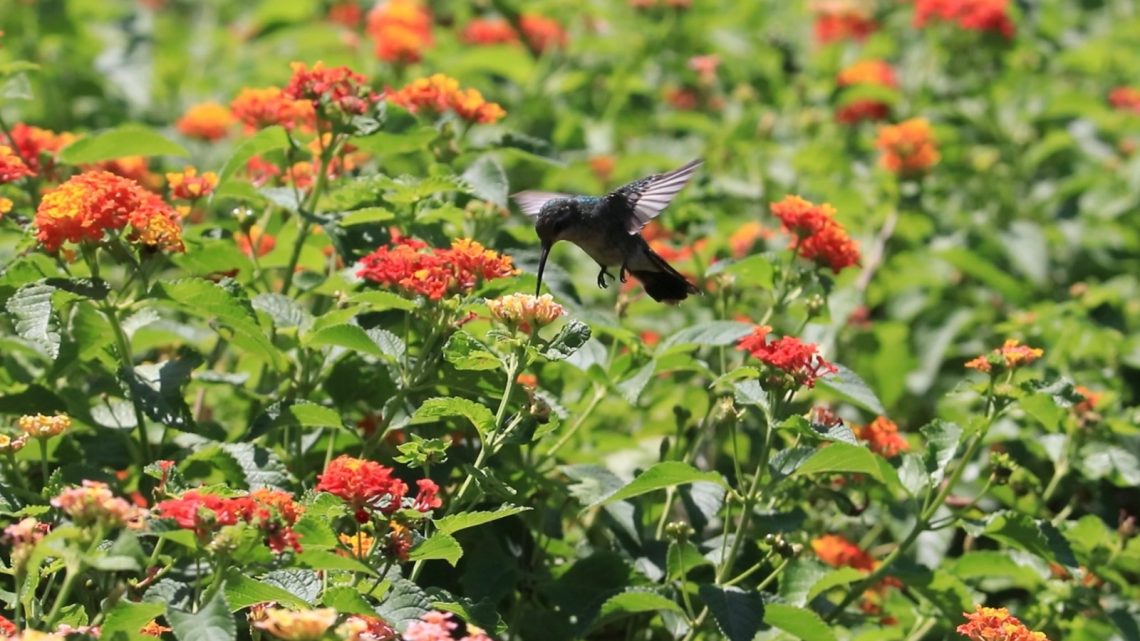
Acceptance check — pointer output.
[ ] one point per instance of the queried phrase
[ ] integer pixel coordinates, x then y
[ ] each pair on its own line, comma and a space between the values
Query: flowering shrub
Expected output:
273, 364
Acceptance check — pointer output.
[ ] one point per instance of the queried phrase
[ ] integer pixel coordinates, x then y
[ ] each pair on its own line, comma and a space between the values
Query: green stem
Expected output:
124, 349
599, 394
43, 459
71, 575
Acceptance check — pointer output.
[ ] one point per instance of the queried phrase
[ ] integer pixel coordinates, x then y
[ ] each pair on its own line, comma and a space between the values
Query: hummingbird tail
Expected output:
663, 283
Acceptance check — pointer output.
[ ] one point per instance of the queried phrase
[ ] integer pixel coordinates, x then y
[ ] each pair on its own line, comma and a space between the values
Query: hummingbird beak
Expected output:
541, 267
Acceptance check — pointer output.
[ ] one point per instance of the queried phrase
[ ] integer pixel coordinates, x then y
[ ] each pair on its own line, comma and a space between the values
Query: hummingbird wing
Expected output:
649, 196
531, 202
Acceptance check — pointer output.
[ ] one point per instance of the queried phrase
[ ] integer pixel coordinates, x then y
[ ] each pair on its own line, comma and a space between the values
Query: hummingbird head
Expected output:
555, 217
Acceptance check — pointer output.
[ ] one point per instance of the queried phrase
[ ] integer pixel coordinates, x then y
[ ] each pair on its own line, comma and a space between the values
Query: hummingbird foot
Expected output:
624, 273
602, 278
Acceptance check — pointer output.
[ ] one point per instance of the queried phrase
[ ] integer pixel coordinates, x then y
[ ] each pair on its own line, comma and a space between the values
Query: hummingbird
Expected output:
608, 228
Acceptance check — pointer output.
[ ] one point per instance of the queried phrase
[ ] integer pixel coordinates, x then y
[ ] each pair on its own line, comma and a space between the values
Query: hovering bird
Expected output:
608, 229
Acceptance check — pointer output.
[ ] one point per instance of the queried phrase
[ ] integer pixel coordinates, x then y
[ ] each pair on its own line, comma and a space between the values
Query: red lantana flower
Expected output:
257, 108
541, 33
337, 88
816, 234
972, 15
1125, 99
366, 486
202, 513
837, 20
838, 552
882, 436
434, 273
37, 147
996, 624
867, 73
489, 31
12, 167
798, 361
401, 30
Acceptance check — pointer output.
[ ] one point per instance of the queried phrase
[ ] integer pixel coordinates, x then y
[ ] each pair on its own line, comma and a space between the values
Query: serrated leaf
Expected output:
390, 345
313, 415
120, 142
660, 476
739, 614
847, 384
33, 317
569, 340
127, 617
488, 180
833, 579
455, 522
1037, 537
350, 337
242, 591
635, 601
798, 622
258, 466
224, 304
212, 622
838, 456
347, 600
632, 387
465, 352
284, 311
404, 603
708, 334
434, 409
157, 388
268, 139
438, 546
942, 439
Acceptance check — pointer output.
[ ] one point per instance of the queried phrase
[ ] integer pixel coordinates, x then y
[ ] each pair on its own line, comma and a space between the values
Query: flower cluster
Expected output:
996, 624
1010, 355
882, 436
43, 426
21, 538
838, 552
542, 34
816, 235
489, 31
188, 184
37, 147
274, 512
366, 628
867, 73
435, 273
972, 15
94, 503
439, 626
1125, 99
401, 30
338, 89
9, 445
744, 237
438, 94
525, 311
366, 486
206, 121
93, 203
908, 148
296, 625
12, 167
798, 363
262, 107
837, 20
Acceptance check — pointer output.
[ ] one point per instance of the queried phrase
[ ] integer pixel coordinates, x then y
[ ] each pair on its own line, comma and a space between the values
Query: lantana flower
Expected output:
94, 203
542, 34
882, 436
188, 184
410, 267
794, 362
1125, 99
996, 624
37, 147
1010, 355
94, 503
908, 148
366, 486
972, 15
816, 235
206, 121
866, 73
297, 625
336, 92
257, 108
44, 426
401, 30
361, 627
489, 31
525, 311
21, 538
438, 94
12, 167
837, 20
274, 512
838, 552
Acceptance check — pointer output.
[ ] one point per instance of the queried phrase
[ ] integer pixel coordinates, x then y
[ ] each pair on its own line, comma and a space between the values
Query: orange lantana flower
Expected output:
996, 624
188, 184
439, 93
1010, 355
908, 148
837, 551
541, 33
489, 31
882, 436
816, 235
837, 20
867, 73
206, 121
12, 167
37, 147
257, 108
401, 30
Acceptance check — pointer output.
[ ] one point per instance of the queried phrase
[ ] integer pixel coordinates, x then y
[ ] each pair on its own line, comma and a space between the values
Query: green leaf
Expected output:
570, 339
351, 337
158, 389
1037, 537
224, 304
313, 415
283, 310
738, 614
947, 592
318, 559
404, 603
847, 384
976, 265
632, 387
434, 409
455, 522
465, 352
635, 601
120, 142
488, 180
267, 139
387, 144
380, 300
257, 466
798, 622
438, 546
347, 600
942, 440
708, 334
33, 317
838, 456
127, 617
658, 477
212, 622
753, 271
242, 591
834, 579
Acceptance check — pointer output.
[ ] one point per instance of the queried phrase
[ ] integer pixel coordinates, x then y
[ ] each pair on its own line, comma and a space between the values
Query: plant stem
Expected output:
124, 349
599, 394
43, 459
